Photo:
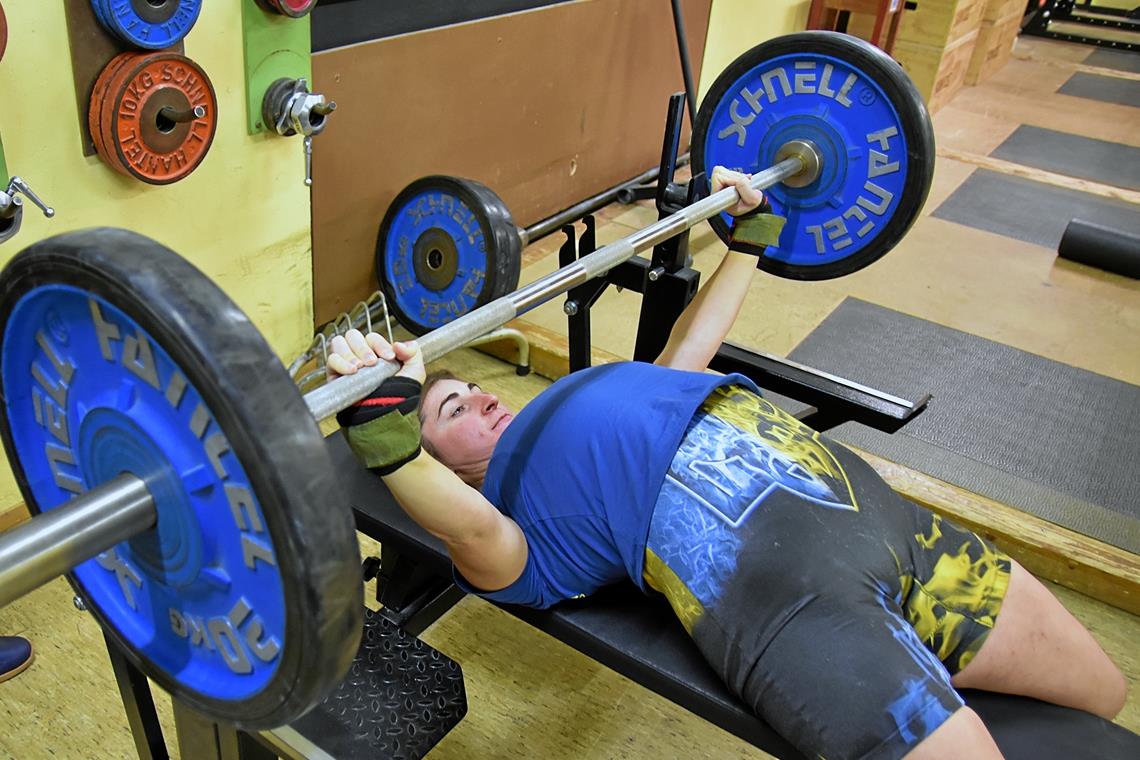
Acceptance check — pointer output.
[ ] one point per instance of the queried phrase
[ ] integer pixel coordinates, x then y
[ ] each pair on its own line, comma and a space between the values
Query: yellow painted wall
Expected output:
737, 25
242, 216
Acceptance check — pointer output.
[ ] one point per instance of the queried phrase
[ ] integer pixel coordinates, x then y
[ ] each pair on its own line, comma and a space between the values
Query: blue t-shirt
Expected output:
579, 470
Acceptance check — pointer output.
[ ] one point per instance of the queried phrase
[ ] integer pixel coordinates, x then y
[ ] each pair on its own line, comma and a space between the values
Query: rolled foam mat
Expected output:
1101, 247
1052, 440
1030, 211
1125, 92
1073, 156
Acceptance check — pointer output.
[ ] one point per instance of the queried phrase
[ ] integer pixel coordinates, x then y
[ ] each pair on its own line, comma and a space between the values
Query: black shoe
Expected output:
15, 656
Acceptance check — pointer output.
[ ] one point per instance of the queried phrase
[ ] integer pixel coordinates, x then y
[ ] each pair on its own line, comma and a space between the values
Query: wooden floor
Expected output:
530, 695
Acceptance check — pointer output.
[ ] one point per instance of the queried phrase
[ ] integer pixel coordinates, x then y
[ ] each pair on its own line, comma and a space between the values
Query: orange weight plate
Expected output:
130, 65
98, 99
147, 122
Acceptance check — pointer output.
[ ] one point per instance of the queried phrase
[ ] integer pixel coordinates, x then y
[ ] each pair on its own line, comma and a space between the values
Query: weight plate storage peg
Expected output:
863, 118
153, 116
148, 24
293, 8
241, 595
446, 246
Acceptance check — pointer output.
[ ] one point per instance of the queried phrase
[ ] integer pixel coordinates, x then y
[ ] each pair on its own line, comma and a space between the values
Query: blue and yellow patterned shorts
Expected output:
833, 607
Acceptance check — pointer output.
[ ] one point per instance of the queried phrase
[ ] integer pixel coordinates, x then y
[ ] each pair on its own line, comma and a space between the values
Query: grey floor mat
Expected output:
1028, 210
1052, 440
1072, 155
1125, 92
1121, 60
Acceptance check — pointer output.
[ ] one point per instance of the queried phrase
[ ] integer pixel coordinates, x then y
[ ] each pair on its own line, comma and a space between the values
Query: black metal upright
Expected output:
683, 54
670, 284
1039, 23
139, 706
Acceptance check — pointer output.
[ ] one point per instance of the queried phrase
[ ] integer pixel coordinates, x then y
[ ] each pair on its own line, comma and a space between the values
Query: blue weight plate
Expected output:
149, 25
244, 599
870, 128
99, 6
446, 246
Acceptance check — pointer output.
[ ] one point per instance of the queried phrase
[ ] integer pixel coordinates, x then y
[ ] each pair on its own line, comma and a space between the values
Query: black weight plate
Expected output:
869, 125
446, 246
507, 241
119, 356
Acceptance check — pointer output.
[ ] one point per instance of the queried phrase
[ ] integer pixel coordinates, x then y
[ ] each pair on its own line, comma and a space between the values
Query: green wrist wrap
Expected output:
387, 442
753, 233
383, 430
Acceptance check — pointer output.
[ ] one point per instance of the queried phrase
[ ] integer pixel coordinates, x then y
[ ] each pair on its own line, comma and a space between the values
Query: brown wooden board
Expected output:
92, 48
994, 47
545, 107
941, 23
937, 72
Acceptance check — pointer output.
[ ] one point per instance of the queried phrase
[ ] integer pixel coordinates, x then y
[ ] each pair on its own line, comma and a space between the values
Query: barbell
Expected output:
448, 245
181, 479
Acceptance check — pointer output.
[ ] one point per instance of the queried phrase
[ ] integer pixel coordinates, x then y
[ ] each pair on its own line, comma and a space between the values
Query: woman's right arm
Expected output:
487, 547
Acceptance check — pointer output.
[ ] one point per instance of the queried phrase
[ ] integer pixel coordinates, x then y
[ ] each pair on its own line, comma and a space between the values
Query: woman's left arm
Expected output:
705, 322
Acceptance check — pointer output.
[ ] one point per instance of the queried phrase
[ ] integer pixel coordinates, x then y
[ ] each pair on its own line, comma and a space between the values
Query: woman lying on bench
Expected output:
843, 615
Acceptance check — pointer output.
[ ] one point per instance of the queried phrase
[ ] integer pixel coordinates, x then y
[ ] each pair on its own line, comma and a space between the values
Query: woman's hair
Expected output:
429, 381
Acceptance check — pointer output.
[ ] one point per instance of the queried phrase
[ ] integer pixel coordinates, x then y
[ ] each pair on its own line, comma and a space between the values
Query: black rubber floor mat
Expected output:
1073, 156
399, 699
1028, 210
1125, 92
1121, 60
1052, 440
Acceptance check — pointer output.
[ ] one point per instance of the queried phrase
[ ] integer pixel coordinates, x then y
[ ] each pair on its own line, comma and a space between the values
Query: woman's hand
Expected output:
353, 350
750, 197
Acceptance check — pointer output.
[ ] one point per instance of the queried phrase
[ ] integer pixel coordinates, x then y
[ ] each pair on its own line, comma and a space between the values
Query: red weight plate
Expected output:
296, 8
270, 6
3, 32
146, 144
98, 97
129, 66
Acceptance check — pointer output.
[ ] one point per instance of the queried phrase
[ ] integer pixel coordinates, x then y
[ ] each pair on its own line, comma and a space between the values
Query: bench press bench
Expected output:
640, 638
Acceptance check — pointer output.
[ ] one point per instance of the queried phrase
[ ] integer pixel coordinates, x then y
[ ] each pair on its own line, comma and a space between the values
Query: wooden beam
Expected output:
1042, 176
1049, 551
1099, 71
13, 516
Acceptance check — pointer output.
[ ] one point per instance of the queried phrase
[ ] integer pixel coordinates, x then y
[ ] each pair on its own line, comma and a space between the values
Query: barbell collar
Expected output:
345, 391
52, 543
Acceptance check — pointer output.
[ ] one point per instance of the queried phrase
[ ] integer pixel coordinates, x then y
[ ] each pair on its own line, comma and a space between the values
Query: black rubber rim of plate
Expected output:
504, 246
508, 244
269, 428
913, 116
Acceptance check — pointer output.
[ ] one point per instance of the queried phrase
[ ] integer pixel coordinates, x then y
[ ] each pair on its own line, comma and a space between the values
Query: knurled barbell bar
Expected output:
448, 245
177, 476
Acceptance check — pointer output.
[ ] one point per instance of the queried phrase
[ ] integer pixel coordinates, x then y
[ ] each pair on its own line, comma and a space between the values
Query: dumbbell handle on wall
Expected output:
52, 543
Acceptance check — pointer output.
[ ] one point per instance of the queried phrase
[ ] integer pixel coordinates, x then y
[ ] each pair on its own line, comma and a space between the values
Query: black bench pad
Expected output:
639, 637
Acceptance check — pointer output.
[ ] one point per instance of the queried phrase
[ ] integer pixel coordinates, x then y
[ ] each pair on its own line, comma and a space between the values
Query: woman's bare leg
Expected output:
1038, 649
